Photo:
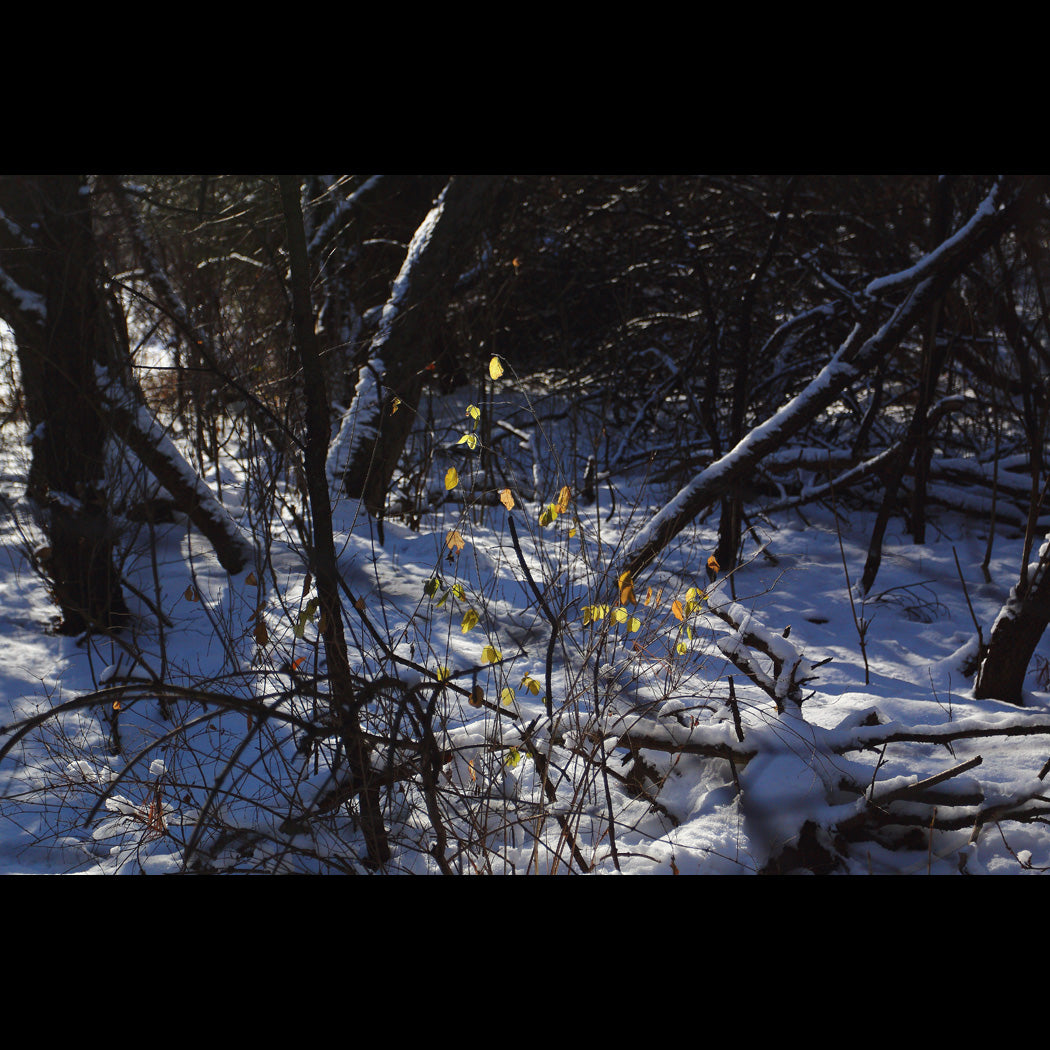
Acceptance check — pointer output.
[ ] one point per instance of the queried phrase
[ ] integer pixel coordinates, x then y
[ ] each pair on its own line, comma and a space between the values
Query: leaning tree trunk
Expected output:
52, 297
372, 435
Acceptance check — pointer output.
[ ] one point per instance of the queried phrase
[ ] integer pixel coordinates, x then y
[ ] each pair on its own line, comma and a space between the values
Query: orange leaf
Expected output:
506, 499
455, 541
627, 590
563, 499
190, 594
676, 608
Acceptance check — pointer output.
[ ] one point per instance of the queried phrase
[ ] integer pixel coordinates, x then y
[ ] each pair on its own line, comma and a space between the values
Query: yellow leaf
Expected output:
455, 541
451, 478
395, 404
634, 625
563, 499
620, 614
443, 674
474, 412
470, 621
530, 683
682, 648
676, 608
506, 498
627, 589
116, 706
495, 368
491, 655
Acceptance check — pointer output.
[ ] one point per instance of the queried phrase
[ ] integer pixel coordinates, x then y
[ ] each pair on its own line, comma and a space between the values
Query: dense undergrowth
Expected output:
528, 709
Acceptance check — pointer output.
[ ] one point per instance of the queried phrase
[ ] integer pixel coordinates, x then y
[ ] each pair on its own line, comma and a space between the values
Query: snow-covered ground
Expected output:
100, 788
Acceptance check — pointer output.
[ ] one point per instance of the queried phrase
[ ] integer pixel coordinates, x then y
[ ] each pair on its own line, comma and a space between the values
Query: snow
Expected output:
99, 789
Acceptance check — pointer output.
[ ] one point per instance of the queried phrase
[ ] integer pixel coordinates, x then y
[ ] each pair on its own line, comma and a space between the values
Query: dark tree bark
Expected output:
932, 362
64, 324
915, 442
1015, 635
733, 502
323, 556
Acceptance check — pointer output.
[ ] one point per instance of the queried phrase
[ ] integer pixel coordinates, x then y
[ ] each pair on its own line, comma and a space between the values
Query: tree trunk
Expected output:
64, 325
372, 435
323, 557
1015, 635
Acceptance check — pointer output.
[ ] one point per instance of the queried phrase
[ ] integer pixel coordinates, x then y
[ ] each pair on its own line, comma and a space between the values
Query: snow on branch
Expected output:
140, 431
359, 424
929, 264
30, 305
749, 635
